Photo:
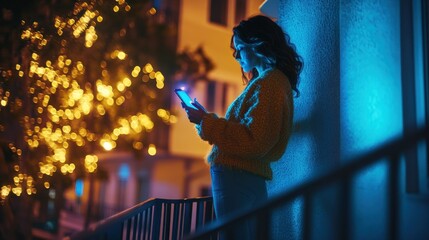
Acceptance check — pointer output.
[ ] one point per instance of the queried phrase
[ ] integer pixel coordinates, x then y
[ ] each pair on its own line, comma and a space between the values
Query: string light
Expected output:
64, 99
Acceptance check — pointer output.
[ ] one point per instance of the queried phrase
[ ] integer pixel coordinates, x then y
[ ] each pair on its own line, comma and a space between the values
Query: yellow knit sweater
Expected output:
256, 127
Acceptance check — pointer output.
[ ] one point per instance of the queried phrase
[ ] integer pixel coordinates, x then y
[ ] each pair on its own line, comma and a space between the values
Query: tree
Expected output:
78, 77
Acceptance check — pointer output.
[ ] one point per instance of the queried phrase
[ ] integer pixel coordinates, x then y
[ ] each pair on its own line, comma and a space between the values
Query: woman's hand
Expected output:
195, 115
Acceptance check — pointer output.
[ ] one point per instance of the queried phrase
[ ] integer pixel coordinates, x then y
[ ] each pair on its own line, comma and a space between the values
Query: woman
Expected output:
257, 125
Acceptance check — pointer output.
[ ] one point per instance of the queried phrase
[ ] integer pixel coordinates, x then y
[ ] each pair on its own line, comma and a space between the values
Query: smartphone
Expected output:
185, 98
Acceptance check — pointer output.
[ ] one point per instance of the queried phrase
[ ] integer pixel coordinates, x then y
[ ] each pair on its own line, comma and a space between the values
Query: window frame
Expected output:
415, 90
425, 43
222, 13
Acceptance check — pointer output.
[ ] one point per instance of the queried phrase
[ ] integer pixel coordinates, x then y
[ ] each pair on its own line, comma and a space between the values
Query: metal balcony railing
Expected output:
194, 218
153, 219
262, 215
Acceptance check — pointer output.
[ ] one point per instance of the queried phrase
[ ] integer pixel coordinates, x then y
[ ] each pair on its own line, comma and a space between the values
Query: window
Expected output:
219, 94
211, 93
206, 191
219, 12
143, 185
240, 10
123, 174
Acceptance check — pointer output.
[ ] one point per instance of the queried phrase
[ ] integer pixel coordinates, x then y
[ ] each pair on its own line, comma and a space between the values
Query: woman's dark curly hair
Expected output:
268, 40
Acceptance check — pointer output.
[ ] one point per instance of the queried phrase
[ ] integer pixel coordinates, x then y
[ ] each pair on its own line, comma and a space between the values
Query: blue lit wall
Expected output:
351, 103
371, 100
314, 145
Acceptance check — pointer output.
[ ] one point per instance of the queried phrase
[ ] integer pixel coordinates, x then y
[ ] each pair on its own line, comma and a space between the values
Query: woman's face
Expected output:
244, 55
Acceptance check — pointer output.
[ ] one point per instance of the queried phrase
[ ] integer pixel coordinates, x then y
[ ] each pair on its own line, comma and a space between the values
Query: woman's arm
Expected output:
258, 131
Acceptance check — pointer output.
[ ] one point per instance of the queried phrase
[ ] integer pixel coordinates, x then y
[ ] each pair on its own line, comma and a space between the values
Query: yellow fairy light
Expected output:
71, 21
66, 128
47, 185
55, 118
59, 155
173, 119
85, 104
73, 136
107, 143
80, 142
120, 86
34, 56
148, 68
29, 181
151, 150
76, 94
47, 169
4, 192
83, 132
120, 100
146, 121
121, 55
138, 145
67, 168
17, 191
91, 163
45, 101
152, 11
80, 66
104, 90
161, 113
159, 85
135, 72
127, 82
110, 101
77, 114
159, 76
135, 125
101, 110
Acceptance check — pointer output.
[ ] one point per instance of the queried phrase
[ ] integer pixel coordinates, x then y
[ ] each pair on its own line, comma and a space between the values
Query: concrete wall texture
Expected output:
350, 103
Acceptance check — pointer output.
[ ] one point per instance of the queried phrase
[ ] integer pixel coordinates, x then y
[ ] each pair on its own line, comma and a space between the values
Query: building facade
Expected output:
178, 170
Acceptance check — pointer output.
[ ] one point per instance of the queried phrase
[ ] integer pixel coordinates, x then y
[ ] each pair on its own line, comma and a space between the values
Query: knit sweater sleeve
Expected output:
253, 134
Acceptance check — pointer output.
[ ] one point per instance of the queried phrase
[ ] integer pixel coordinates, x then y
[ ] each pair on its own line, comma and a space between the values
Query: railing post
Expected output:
393, 198
145, 224
263, 223
157, 213
137, 227
176, 220
307, 205
167, 220
200, 215
187, 214
115, 232
344, 216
